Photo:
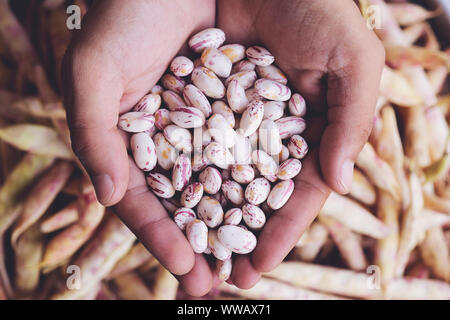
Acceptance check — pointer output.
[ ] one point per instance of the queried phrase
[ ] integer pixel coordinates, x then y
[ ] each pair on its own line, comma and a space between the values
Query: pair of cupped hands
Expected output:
124, 47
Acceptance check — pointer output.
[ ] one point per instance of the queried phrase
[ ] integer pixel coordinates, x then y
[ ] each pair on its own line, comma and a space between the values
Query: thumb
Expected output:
92, 95
351, 98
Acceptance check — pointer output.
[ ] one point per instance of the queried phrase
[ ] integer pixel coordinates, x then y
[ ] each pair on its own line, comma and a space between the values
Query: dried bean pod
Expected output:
197, 235
242, 173
237, 239
211, 179
162, 119
235, 52
208, 83
193, 96
173, 100
233, 192
233, 216
297, 105
183, 216
192, 195
174, 83
136, 122
260, 56
187, 117
208, 38
269, 137
289, 169
217, 62
257, 191
272, 90
144, 151
160, 185
252, 118
210, 211
217, 248
181, 66
280, 194
271, 72
150, 103
253, 216
219, 155
290, 126
298, 148
182, 172
266, 164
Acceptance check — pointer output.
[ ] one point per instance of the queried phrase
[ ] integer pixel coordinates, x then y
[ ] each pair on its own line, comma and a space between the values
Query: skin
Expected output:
124, 47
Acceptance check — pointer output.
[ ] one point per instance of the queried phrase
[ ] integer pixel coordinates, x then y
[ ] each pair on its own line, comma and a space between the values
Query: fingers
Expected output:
146, 217
92, 109
352, 93
199, 280
284, 227
244, 275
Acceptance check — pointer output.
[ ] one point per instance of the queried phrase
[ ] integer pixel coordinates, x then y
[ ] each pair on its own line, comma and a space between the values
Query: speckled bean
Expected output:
298, 148
211, 179
181, 66
289, 169
243, 65
269, 137
252, 118
266, 164
197, 235
210, 211
233, 216
217, 248
160, 185
183, 216
178, 137
162, 119
237, 239
182, 172
192, 195
193, 96
245, 79
297, 105
221, 131
219, 155
233, 192
260, 56
280, 194
290, 126
187, 117
242, 149
174, 83
136, 122
236, 97
274, 110
144, 151
217, 62
271, 72
208, 83
173, 100
253, 216
165, 152
257, 191
208, 38
150, 103
223, 269
272, 90
242, 173
220, 107
235, 52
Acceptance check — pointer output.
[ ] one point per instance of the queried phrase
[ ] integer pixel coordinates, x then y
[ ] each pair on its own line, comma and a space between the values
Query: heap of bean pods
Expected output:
220, 140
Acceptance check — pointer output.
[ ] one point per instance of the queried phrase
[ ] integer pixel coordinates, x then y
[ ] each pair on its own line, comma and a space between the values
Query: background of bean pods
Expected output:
330, 261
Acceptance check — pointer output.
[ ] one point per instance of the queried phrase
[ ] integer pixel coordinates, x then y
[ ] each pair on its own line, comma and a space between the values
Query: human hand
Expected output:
120, 53
335, 62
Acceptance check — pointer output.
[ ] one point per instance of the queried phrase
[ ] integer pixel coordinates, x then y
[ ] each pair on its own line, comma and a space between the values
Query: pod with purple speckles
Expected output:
197, 235
280, 194
208, 38
183, 216
210, 211
257, 191
136, 122
253, 216
160, 185
181, 66
272, 90
150, 103
187, 117
217, 248
289, 169
298, 148
290, 126
208, 83
237, 239
192, 195
260, 56
181, 173
144, 151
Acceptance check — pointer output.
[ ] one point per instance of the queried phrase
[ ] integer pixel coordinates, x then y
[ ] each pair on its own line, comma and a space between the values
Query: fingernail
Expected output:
104, 188
347, 176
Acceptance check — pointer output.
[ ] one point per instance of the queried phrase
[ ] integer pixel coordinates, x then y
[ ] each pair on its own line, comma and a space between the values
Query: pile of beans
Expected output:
220, 140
